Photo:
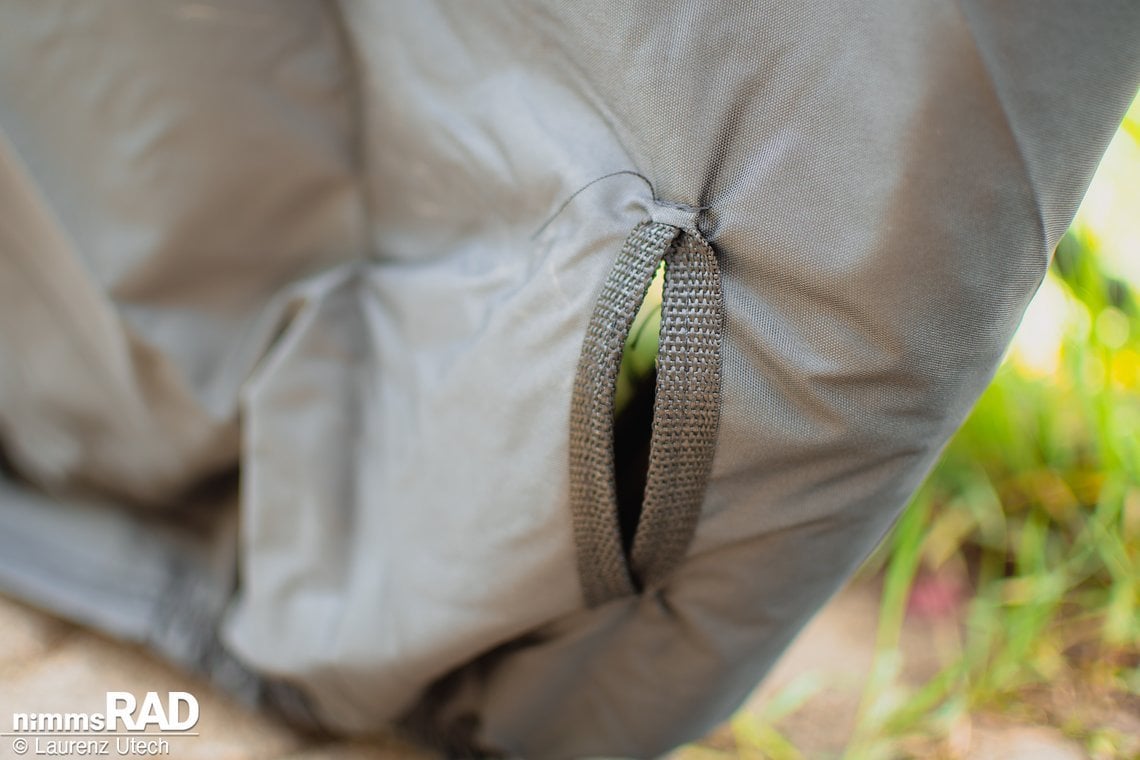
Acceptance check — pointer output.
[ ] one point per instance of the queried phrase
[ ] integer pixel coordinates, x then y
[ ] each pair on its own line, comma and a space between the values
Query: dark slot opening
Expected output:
633, 427
633, 410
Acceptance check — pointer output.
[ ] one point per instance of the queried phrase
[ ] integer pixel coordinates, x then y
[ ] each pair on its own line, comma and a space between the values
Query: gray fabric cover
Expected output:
330, 243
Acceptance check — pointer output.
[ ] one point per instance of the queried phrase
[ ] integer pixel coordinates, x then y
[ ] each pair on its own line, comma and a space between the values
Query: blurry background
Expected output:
1001, 618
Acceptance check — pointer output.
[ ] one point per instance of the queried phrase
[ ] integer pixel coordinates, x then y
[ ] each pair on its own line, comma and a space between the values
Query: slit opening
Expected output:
633, 410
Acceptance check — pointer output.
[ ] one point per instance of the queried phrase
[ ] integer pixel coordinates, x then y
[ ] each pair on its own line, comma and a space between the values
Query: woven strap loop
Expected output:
685, 418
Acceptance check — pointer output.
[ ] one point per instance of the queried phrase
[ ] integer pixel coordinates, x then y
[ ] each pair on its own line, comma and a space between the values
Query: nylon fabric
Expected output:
341, 247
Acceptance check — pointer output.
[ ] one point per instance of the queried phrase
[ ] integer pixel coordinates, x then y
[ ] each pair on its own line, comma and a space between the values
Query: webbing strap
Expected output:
685, 417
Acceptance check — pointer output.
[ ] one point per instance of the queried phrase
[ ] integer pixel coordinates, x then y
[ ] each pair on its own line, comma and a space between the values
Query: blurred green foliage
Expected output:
639, 358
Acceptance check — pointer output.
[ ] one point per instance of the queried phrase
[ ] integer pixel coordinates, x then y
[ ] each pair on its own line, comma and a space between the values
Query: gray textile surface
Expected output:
300, 238
163, 581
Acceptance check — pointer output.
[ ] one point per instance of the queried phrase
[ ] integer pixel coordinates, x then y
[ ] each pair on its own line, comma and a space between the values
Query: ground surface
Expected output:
50, 666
